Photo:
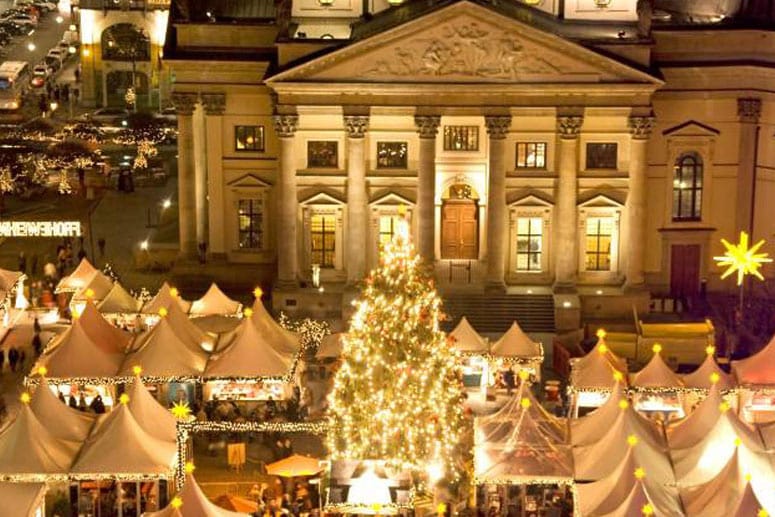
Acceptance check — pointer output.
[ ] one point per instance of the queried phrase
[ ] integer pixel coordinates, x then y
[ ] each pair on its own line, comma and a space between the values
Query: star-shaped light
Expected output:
741, 259
623, 404
176, 502
258, 292
647, 509
137, 369
180, 410
632, 440
42, 371
189, 467
525, 403
640, 473
25, 398
124, 399
762, 513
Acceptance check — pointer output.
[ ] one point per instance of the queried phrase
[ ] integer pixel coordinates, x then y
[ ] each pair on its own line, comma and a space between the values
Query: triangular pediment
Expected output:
392, 197
529, 198
691, 128
468, 43
249, 180
596, 199
319, 197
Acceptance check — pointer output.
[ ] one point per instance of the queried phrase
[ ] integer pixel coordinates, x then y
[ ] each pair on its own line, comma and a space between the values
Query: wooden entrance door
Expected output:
460, 229
684, 269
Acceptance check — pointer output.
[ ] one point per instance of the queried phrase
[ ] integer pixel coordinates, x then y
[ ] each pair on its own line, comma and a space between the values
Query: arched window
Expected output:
687, 188
125, 42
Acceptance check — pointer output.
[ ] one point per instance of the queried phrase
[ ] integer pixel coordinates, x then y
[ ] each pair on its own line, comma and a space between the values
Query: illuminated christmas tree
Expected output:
397, 396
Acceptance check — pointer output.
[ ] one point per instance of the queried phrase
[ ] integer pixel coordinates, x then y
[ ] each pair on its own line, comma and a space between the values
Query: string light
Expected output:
632, 440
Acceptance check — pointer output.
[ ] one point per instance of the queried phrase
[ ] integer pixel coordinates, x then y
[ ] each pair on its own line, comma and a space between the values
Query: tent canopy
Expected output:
118, 301
8, 279
692, 429
163, 299
99, 329
139, 453
96, 288
757, 369
295, 466
656, 374
249, 353
593, 371
701, 377
214, 302
69, 424
515, 343
467, 340
78, 279
284, 341
193, 503
22, 499
163, 352
152, 416
330, 346
521, 442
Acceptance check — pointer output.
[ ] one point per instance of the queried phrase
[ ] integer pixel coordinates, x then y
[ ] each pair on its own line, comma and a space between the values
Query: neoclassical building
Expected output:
593, 149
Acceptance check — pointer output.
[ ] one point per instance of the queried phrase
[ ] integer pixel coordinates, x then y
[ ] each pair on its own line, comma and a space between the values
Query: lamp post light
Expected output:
31, 46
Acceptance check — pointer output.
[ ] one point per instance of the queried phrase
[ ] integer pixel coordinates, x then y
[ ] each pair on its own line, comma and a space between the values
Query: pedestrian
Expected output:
62, 397
36, 326
57, 93
22, 262
34, 265
82, 403
49, 89
13, 358
37, 344
66, 93
97, 405
73, 403
101, 246
77, 73
42, 105
76, 93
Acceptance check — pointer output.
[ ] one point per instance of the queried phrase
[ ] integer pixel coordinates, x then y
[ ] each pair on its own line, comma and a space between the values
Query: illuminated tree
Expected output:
397, 396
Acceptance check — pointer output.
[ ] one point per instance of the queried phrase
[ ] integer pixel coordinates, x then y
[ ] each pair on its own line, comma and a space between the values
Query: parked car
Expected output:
45, 6
53, 63
107, 115
58, 53
40, 75
25, 19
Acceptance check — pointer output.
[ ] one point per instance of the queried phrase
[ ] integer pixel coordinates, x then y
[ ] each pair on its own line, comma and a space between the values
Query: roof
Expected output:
466, 339
222, 10
118, 301
214, 302
99, 329
165, 351
164, 299
594, 371
99, 284
78, 278
521, 442
515, 343
689, 431
757, 369
139, 453
249, 353
283, 340
656, 374
194, 503
152, 416
701, 377
22, 499
71, 424
8, 279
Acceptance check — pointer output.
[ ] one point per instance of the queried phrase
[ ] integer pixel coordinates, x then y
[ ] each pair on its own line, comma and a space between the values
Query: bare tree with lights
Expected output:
397, 396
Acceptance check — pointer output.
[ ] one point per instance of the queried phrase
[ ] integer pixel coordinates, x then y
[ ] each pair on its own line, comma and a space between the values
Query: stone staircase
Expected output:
494, 313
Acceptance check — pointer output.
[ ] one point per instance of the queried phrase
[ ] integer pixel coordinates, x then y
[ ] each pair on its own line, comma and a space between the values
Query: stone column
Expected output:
748, 110
427, 127
566, 256
497, 128
357, 198
184, 105
212, 197
287, 204
640, 129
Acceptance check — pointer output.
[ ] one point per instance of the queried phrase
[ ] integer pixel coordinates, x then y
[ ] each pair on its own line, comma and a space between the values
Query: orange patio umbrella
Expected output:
294, 466
236, 503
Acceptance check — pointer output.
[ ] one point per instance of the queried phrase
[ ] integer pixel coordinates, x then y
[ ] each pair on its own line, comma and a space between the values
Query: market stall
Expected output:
700, 381
23, 499
96, 288
215, 302
165, 297
473, 350
515, 348
756, 377
165, 351
120, 308
283, 340
592, 376
70, 424
149, 413
78, 279
191, 501
658, 392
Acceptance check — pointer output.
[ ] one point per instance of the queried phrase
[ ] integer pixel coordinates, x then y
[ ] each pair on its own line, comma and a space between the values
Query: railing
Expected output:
464, 266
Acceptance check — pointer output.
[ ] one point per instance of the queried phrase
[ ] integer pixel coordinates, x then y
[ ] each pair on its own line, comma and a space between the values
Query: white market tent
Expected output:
691, 430
85, 350
193, 503
283, 340
656, 374
96, 288
658, 389
78, 279
758, 369
701, 377
8, 280
729, 491
163, 351
118, 301
610, 494
27, 447
100, 329
467, 340
215, 302
632, 505
516, 344
152, 416
22, 499
596, 370
66, 423
521, 443
139, 453
163, 299
249, 353
330, 346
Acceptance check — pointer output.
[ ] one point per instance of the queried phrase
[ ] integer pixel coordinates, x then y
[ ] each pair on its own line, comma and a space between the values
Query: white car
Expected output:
58, 53
24, 19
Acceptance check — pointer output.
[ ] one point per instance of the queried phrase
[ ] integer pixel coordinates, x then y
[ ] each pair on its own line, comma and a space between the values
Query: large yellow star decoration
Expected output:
180, 410
741, 259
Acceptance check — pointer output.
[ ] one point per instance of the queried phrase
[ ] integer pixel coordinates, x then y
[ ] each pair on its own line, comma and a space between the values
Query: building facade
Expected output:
597, 150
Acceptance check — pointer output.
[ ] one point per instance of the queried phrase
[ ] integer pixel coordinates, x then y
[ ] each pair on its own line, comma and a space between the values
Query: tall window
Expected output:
323, 154
600, 231
529, 243
687, 188
249, 138
531, 155
461, 138
601, 156
323, 238
251, 223
388, 224
391, 155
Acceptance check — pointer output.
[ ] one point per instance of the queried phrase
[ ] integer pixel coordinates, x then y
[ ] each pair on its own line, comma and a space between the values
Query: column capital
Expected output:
214, 103
640, 127
427, 125
285, 125
184, 102
356, 125
569, 126
497, 126
749, 109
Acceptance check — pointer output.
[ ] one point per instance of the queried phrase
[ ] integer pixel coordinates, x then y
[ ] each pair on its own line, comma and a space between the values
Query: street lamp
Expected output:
31, 46
59, 19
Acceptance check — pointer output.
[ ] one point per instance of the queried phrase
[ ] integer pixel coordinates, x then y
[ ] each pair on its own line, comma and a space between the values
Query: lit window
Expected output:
322, 154
391, 155
461, 138
601, 156
598, 250
249, 138
529, 243
687, 188
531, 155
388, 224
251, 221
323, 237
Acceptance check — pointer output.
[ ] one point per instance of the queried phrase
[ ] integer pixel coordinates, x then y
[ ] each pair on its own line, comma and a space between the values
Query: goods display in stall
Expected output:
592, 375
657, 390
756, 377
246, 390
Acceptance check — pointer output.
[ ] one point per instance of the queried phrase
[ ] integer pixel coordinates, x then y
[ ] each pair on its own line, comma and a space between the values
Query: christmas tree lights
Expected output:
397, 396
